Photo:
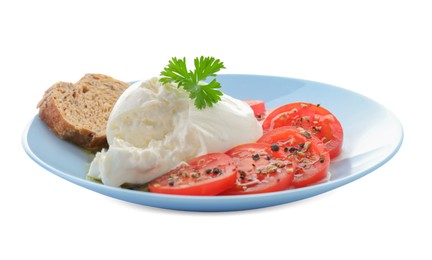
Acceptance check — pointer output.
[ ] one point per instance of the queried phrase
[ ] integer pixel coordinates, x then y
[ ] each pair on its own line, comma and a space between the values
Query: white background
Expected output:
382, 49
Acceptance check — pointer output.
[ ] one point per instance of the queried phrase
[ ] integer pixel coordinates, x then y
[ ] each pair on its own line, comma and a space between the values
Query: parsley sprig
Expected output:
203, 94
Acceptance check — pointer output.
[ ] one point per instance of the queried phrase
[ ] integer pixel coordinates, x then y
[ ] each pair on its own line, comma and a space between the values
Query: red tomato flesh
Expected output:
309, 152
209, 174
258, 171
314, 118
258, 108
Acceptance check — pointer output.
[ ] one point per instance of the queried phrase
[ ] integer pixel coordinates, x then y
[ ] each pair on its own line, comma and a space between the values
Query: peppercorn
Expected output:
292, 149
274, 147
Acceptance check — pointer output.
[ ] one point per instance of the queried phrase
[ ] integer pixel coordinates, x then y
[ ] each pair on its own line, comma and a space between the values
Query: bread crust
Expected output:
50, 112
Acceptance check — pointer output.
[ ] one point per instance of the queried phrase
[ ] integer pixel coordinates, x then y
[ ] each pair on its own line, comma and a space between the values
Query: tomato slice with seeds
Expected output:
258, 171
258, 108
209, 174
314, 118
309, 152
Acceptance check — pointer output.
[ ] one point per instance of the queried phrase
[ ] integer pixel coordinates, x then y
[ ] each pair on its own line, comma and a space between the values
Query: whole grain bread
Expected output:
78, 112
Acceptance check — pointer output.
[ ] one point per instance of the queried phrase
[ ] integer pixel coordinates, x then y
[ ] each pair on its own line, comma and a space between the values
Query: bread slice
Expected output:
79, 112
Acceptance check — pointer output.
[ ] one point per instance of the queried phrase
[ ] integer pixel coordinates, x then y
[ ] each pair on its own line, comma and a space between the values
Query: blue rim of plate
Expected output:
222, 203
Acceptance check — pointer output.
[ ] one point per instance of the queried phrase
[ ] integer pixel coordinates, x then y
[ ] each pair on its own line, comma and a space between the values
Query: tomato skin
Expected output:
258, 107
192, 178
314, 118
311, 154
258, 171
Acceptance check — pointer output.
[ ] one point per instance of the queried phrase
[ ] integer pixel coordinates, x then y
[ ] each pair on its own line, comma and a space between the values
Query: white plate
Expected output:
372, 136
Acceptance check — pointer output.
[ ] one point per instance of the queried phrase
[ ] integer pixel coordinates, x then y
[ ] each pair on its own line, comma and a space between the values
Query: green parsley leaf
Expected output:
203, 94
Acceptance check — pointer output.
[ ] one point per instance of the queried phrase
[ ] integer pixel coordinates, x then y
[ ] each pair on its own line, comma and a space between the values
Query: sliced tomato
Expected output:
310, 153
258, 108
258, 171
314, 118
209, 174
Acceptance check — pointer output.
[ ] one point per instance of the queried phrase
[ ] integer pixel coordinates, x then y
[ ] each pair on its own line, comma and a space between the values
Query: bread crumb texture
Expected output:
78, 112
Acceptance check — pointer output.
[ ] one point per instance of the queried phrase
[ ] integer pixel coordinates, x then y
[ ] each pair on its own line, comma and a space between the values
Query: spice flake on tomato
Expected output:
315, 119
205, 175
259, 171
310, 153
